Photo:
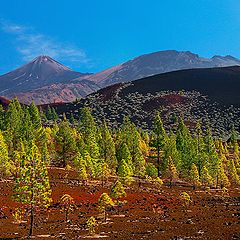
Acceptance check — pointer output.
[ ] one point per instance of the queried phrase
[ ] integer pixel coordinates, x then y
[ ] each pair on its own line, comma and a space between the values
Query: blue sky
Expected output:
91, 35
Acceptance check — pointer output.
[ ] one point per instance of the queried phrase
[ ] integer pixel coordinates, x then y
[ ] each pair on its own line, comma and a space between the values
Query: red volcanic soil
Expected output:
170, 99
149, 213
108, 93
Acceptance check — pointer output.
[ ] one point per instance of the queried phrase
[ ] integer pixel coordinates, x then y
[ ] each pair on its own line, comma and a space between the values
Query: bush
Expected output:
91, 224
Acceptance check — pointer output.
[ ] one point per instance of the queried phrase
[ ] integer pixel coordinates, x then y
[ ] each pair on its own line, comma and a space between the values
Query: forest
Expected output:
33, 141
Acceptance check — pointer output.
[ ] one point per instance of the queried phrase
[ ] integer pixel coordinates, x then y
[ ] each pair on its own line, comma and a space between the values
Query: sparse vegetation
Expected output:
107, 163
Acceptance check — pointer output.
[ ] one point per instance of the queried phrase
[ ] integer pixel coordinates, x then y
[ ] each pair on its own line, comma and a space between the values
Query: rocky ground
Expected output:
148, 214
113, 104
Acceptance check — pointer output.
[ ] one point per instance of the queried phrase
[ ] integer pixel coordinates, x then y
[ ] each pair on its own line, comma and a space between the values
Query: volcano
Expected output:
45, 80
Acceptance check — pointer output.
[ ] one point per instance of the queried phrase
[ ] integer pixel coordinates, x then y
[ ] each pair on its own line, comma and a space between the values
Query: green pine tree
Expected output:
194, 176
5, 164
81, 167
103, 203
159, 139
32, 187
65, 144
171, 173
233, 172
107, 147
118, 192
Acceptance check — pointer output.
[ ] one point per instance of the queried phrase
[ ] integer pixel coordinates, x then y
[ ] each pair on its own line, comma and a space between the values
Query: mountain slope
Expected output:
46, 81
194, 94
39, 77
60, 92
156, 63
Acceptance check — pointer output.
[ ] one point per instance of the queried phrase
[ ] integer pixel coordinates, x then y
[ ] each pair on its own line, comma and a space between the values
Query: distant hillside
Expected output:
156, 63
44, 80
193, 94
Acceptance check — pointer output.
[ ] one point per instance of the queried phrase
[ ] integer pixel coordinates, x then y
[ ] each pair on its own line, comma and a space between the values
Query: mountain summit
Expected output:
40, 72
45, 80
156, 63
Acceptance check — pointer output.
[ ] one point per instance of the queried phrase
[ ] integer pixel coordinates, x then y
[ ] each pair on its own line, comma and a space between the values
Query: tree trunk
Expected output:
31, 222
66, 218
105, 217
118, 207
158, 160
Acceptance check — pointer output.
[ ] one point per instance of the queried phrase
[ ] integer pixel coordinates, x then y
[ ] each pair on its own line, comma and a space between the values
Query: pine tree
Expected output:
151, 170
117, 192
107, 147
14, 120
206, 177
158, 182
35, 117
5, 164
88, 130
103, 172
18, 156
233, 172
91, 165
222, 177
27, 129
124, 172
132, 138
126, 133
221, 148
234, 136
65, 143
32, 186
91, 224
194, 176
237, 162
139, 164
54, 114
138, 159
234, 142
159, 139
103, 203
72, 120
87, 125
213, 159
200, 148
49, 113
186, 199
123, 153
171, 150
186, 147
80, 165
67, 204
44, 140
171, 173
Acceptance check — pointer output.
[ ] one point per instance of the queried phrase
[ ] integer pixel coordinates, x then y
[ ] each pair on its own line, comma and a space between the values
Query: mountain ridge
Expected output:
45, 80
159, 62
